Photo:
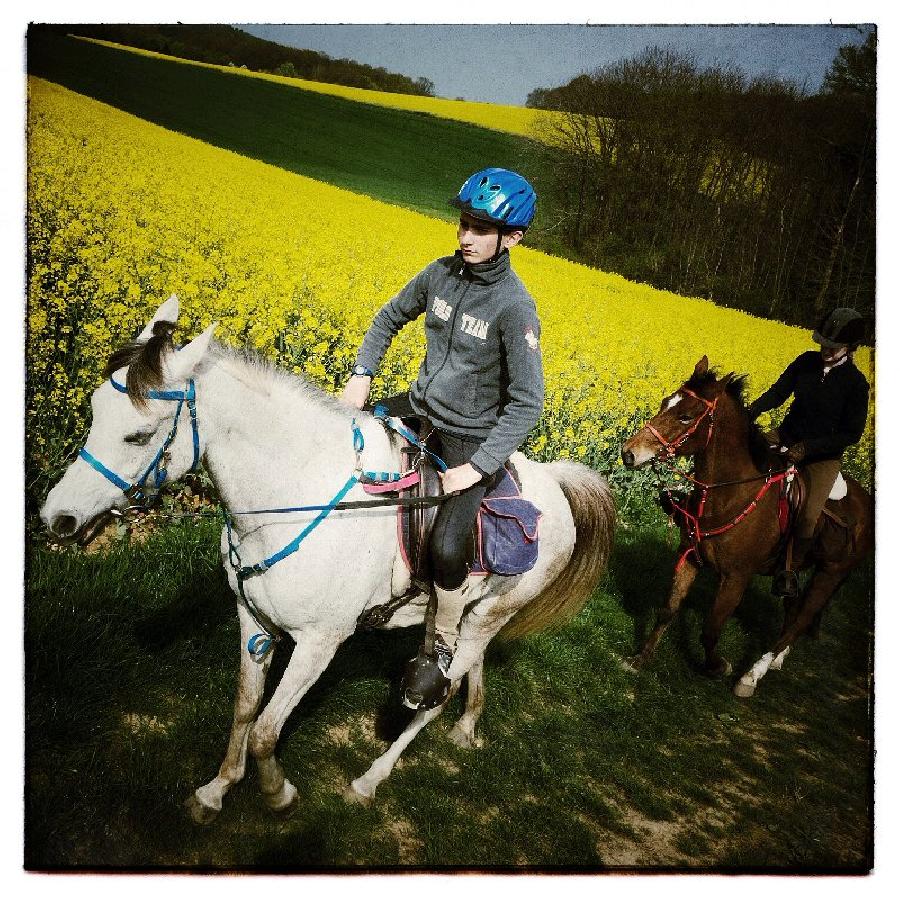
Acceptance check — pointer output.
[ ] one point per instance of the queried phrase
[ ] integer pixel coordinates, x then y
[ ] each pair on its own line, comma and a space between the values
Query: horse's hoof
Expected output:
722, 670
286, 811
633, 663
352, 795
284, 802
199, 812
464, 739
744, 690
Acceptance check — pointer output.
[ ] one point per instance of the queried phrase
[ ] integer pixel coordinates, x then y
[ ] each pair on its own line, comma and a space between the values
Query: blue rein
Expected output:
260, 643
157, 465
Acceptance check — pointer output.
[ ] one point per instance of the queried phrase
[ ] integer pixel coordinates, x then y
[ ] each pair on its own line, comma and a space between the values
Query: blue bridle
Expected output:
158, 464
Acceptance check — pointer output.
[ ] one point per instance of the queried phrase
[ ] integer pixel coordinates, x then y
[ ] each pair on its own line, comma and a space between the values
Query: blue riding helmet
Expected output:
499, 196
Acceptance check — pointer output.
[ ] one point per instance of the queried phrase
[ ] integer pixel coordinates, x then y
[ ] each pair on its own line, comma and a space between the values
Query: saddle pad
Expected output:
839, 488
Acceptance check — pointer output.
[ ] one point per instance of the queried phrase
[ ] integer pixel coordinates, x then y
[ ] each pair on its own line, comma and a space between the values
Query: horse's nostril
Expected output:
628, 458
64, 525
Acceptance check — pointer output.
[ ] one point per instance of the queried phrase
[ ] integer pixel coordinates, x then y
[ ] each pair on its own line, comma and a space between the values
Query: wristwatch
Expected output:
363, 371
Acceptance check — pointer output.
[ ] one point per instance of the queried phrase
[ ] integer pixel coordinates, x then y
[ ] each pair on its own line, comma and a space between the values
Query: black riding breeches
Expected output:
451, 538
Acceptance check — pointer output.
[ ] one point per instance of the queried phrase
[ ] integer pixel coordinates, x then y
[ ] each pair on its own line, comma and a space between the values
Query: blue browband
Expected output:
158, 464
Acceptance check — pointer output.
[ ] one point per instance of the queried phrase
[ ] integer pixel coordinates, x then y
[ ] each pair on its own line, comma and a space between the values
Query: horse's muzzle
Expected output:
63, 524
627, 458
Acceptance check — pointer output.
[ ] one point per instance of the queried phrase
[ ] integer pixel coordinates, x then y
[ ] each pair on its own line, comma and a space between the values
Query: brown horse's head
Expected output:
684, 423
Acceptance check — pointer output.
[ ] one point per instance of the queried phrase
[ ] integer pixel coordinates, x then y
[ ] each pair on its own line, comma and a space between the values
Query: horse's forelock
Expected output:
144, 360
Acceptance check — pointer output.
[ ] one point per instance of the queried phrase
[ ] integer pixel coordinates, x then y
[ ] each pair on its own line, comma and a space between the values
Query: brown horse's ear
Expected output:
701, 367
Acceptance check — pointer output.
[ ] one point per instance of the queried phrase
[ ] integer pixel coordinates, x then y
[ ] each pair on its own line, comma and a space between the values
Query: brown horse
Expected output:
730, 522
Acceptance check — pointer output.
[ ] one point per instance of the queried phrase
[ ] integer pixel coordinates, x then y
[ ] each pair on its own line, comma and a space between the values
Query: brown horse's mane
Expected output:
736, 387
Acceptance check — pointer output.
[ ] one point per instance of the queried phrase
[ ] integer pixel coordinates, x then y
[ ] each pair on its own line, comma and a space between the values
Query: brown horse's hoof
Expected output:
722, 670
633, 663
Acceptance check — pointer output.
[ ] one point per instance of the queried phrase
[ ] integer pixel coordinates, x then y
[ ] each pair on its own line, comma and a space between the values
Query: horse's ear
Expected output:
701, 367
181, 365
168, 312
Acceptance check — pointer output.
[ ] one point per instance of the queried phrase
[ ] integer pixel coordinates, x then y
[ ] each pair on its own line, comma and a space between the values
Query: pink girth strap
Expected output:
384, 487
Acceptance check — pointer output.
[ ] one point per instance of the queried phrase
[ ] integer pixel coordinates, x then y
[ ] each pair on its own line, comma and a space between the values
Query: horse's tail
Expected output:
594, 514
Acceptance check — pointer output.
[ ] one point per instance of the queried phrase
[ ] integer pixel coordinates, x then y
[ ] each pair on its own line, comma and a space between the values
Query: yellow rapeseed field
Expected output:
122, 213
531, 123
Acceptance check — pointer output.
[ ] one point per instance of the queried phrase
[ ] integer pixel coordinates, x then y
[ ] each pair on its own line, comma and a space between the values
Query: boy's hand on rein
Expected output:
459, 478
356, 391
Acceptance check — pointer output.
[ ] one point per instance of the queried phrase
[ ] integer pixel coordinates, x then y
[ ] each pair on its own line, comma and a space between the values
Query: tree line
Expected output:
224, 45
753, 193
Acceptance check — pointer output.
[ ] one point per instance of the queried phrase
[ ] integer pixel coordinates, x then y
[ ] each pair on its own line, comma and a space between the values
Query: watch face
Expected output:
361, 370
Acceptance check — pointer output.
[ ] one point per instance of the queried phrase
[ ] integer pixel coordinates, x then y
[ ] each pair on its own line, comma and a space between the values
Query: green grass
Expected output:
406, 158
131, 666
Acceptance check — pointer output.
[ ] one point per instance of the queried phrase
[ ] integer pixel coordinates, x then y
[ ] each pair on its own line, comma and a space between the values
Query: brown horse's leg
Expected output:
681, 584
731, 589
821, 588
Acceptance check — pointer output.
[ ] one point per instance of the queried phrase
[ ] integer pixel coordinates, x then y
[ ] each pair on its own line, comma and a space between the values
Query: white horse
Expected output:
270, 439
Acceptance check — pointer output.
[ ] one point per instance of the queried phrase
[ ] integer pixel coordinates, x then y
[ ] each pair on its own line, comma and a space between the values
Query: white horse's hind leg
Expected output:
206, 802
476, 631
463, 732
311, 655
362, 789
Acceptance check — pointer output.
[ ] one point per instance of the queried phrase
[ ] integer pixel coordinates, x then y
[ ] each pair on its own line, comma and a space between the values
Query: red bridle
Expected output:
696, 533
669, 447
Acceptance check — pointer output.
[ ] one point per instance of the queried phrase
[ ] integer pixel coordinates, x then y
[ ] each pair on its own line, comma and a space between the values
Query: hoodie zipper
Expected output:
437, 371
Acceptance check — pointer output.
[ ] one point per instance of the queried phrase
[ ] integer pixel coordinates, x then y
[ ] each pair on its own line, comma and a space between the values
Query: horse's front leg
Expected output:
731, 589
206, 802
681, 584
312, 653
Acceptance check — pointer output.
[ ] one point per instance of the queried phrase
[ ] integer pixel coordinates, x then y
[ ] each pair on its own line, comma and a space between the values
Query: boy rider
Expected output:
481, 383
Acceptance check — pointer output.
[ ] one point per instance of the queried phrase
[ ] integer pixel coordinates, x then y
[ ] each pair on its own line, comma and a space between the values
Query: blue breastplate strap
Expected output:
260, 643
380, 412
157, 465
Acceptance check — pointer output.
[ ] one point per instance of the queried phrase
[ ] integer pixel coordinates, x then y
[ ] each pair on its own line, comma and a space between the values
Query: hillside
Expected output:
400, 156
228, 46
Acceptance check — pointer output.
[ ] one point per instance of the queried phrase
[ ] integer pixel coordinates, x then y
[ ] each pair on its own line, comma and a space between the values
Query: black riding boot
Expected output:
425, 683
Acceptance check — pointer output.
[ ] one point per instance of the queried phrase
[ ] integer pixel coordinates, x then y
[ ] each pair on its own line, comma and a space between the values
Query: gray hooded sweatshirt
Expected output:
482, 377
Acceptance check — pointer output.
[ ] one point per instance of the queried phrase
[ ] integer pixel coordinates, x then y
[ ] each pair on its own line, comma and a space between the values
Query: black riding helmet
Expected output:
841, 327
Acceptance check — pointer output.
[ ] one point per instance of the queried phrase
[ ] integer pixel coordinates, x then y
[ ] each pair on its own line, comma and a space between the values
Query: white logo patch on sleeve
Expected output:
530, 338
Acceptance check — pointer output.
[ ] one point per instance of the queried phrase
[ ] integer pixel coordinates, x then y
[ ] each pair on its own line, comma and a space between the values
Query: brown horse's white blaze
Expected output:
730, 523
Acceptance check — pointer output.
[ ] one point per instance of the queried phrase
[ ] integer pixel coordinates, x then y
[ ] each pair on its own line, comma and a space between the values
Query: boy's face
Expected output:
478, 240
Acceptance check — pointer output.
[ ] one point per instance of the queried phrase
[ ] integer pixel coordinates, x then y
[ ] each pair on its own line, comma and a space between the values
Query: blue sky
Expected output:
502, 63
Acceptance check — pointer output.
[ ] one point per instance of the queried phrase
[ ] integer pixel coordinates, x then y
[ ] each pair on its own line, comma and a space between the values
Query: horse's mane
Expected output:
735, 387
146, 359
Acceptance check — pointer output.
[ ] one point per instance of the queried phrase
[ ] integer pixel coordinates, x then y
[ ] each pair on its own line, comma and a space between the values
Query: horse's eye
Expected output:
139, 438
685, 420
